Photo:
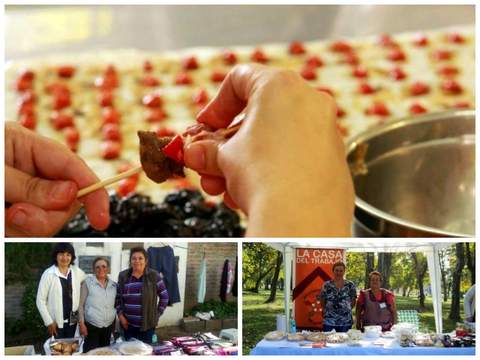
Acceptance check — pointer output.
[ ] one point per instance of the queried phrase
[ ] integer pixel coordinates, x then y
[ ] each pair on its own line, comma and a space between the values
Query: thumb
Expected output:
23, 219
202, 156
46, 194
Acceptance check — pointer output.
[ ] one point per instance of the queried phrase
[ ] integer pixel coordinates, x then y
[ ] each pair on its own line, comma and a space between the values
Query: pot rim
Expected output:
377, 131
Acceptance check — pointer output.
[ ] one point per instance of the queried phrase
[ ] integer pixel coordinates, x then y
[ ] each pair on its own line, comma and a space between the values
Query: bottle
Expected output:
154, 339
293, 325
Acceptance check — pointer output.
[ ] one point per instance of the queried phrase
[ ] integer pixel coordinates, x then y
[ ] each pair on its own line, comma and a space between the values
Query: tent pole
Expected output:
434, 271
288, 268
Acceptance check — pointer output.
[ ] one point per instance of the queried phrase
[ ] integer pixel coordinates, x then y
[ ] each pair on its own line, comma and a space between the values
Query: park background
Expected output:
406, 274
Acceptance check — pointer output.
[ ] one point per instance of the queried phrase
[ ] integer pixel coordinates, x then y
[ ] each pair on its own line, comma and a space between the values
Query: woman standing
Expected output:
141, 297
97, 306
58, 293
338, 298
376, 306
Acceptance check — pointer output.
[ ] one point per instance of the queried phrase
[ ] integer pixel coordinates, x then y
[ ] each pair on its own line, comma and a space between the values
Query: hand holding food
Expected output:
288, 140
41, 182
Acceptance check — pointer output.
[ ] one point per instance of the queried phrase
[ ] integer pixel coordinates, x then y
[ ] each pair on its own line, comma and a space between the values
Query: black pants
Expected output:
97, 337
68, 331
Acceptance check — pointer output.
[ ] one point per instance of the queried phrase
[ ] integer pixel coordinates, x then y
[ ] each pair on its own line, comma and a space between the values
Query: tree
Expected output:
355, 267
420, 264
273, 289
259, 260
470, 259
370, 265
403, 273
385, 268
456, 279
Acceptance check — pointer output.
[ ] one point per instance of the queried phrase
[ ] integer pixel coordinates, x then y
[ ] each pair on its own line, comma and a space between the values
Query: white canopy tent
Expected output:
430, 249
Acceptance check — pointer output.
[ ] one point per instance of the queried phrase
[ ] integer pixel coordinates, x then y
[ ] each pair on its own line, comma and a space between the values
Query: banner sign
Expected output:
312, 268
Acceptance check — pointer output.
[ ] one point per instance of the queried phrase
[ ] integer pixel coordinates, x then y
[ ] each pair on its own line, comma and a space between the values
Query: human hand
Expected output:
42, 178
285, 167
52, 329
83, 329
123, 321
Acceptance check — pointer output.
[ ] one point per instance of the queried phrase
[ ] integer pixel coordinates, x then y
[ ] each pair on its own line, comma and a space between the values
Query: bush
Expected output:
31, 317
222, 310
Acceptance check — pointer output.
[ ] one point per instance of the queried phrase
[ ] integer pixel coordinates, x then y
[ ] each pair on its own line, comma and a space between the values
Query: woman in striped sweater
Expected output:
141, 297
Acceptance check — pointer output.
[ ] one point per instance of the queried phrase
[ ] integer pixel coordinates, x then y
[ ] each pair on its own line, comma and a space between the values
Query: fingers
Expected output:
47, 194
232, 96
24, 219
227, 199
54, 161
201, 156
213, 185
67, 165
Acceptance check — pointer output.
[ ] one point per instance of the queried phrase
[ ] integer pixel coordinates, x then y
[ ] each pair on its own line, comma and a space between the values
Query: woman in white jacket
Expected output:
58, 293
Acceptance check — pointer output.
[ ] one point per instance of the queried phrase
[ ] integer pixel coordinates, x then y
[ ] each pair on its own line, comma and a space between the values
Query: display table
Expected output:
390, 347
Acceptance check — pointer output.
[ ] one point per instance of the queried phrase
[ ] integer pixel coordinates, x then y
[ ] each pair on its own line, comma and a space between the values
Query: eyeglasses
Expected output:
101, 267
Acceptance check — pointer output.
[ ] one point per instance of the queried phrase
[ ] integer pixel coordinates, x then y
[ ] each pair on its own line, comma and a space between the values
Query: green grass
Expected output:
259, 318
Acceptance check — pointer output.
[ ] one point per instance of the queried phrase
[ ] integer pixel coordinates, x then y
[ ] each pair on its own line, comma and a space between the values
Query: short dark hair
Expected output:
140, 250
62, 248
98, 259
375, 273
338, 263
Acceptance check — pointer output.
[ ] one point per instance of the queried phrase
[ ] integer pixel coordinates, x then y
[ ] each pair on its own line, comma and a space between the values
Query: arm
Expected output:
162, 293
394, 312
359, 311
119, 306
353, 295
42, 296
81, 309
81, 305
322, 297
467, 304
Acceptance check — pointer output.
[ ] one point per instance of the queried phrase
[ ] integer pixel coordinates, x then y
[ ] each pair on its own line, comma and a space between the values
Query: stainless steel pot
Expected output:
416, 177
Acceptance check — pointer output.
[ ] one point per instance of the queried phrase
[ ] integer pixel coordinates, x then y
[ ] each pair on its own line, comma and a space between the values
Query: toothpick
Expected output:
109, 181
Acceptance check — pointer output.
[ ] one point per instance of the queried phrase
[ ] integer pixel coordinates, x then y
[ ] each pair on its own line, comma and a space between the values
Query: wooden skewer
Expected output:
227, 133
109, 181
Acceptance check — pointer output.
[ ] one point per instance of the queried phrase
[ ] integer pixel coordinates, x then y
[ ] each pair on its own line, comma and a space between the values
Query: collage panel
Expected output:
121, 298
121, 121
359, 298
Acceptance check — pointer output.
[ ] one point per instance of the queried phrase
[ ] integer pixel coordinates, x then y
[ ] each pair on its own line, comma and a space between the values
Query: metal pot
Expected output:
416, 177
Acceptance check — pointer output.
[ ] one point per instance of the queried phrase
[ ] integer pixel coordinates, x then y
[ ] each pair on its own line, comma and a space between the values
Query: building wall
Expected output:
215, 254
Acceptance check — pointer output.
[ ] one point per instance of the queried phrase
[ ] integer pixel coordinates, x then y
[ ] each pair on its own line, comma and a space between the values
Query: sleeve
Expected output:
83, 299
468, 308
162, 294
353, 292
42, 296
82, 274
118, 300
361, 298
323, 294
390, 298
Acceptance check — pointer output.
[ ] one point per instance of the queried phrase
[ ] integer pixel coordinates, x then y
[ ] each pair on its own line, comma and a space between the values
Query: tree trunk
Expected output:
261, 276
385, 268
456, 279
443, 273
273, 289
470, 257
370, 265
420, 271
